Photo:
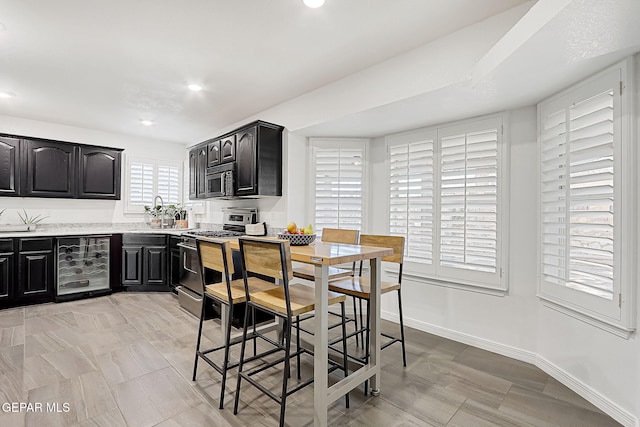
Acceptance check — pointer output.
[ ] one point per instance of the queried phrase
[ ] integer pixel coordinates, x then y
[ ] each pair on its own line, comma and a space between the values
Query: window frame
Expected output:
435, 274
618, 315
359, 143
130, 208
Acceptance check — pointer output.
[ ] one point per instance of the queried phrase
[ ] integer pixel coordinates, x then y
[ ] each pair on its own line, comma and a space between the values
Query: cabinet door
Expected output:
155, 265
9, 167
35, 278
6, 276
99, 170
201, 171
50, 170
213, 153
132, 265
228, 149
193, 174
246, 163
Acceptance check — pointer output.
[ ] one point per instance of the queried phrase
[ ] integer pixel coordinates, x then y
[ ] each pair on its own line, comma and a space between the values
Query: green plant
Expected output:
155, 212
171, 211
27, 219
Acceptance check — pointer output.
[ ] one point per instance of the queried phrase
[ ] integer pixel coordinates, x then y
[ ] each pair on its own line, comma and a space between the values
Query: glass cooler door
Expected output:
83, 264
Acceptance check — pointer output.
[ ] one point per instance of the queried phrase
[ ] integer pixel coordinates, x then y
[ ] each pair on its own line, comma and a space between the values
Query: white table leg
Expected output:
375, 340
321, 352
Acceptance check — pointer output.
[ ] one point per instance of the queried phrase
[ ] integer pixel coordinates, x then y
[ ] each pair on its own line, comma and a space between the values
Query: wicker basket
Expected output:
298, 239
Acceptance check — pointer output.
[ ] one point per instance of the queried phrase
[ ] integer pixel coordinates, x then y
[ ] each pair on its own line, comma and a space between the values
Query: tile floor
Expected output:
126, 360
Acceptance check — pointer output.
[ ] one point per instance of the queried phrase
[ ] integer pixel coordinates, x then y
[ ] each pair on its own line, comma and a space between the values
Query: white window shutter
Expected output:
339, 178
469, 200
141, 183
169, 184
411, 197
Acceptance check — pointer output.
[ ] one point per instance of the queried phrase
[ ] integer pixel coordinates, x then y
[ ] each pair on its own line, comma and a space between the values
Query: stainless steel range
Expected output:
191, 290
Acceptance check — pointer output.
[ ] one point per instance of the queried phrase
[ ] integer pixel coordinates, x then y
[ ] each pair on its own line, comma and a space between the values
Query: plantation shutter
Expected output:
141, 179
169, 184
338, 187
411, 197
578, 196
469, 200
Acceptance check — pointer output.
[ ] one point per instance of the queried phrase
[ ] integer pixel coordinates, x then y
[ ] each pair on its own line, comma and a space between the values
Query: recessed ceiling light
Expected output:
146, 122
314, 3
194, 87
7, 95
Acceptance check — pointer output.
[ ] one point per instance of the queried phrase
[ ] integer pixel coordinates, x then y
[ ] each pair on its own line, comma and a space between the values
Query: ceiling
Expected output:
361, 68
108, 65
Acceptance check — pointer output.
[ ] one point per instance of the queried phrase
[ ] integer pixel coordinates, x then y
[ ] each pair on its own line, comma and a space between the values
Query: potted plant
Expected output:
155, 215
181, 217
30, 221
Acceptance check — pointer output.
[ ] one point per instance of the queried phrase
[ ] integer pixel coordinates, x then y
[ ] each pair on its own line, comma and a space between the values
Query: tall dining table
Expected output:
324, 255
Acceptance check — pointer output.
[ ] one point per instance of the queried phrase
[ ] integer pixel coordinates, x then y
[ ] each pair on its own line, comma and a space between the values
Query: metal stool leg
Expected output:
287, 370
298, 344
355, 319
361, 322
242, 347
366, 348
404, 354
345, 363
225, 362
195, 362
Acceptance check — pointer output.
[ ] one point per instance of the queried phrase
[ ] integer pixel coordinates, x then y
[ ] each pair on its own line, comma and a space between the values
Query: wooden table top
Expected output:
324, 253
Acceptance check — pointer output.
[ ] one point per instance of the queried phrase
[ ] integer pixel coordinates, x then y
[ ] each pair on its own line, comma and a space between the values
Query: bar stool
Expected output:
272, 258
360, 287
216, 255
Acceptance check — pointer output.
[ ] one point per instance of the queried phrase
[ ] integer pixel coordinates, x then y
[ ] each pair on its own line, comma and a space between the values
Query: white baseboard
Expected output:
594, 397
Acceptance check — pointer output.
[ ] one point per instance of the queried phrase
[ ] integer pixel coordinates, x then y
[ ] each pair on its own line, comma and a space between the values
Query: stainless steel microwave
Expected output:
221, 180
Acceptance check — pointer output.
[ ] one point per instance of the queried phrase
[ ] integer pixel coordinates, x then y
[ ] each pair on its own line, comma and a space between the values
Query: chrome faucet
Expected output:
161, 209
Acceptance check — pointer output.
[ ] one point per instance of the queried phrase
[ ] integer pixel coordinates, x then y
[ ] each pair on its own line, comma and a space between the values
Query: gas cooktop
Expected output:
216, 233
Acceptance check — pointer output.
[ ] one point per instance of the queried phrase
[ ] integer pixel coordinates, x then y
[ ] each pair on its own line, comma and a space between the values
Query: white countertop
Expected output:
77, 231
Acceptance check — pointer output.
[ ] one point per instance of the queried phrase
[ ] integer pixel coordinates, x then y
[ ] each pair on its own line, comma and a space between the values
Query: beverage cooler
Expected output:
83, 265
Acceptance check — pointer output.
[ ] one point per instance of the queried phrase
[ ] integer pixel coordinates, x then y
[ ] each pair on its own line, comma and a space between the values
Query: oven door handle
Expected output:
184, 250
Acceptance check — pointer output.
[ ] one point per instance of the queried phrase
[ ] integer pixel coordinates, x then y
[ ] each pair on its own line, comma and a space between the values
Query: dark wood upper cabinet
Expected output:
201, 171
228, 149
213, 153
50, 169
255, 152
31, 167
9, 166
99, 171
246, 182
193, 173
259, 160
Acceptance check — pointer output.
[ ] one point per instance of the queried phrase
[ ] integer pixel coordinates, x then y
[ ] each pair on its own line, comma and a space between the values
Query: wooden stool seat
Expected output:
307, 272
219, 290
360, 287
302, 299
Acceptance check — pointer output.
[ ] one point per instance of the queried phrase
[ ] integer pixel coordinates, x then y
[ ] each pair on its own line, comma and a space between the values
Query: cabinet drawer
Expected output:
6, 245
35, 244
144, 239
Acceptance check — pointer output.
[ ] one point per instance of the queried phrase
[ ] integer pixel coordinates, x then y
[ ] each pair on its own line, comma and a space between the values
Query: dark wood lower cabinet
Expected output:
35, 275
6, 276
144, 262
155, 265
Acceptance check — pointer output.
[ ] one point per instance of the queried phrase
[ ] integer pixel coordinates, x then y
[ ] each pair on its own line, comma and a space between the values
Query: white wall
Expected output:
82, 211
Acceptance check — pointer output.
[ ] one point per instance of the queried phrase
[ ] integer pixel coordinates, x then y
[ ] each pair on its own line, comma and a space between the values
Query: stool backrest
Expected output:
216, 255
268, 257
340, 235
395, 242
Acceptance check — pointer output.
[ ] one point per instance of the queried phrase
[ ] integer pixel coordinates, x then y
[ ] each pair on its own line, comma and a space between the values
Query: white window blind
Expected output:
446, 189
141, 183
149, 178
338, 175
588, 201
577, 196
169, 184
468, 200
411, 197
